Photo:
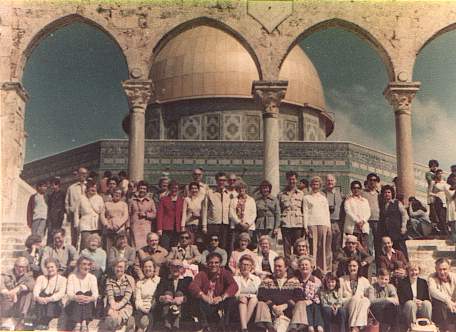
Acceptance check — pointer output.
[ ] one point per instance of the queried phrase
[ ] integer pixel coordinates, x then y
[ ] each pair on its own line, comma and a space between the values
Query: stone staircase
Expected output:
426, 252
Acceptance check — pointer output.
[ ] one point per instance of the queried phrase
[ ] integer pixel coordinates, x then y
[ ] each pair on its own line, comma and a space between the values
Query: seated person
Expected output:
332, 304
265, 257
398, 273
309, 298
414, 296
420, 224
96, 254
145, 295
153, 250
384, 300
389, 255
121, 249
442, 289
16, 288
187, 253
66, 255
276, 298
353, 250
82, 293
33, 252
48, 293
354, 288
248, 285
119, 292
213, 246
214, 290
172, 292
243, 243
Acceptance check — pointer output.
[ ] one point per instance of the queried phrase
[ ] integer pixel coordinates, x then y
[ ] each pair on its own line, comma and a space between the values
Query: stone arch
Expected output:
353, 28
54, 26
204, 20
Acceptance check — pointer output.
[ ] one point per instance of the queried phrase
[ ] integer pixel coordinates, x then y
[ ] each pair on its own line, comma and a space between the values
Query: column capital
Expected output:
18, 87
139, 93
400, 95
269, 95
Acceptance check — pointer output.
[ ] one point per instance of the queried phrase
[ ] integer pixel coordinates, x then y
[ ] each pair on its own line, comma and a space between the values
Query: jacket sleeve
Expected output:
195, 285
232, 286
276, 214
160, 215
184, 213
30, 208
68, 201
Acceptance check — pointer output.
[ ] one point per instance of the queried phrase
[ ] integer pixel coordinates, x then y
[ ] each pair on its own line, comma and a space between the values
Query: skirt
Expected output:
78, 312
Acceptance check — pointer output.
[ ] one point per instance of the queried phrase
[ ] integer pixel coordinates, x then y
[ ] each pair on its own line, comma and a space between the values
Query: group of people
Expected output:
139, 258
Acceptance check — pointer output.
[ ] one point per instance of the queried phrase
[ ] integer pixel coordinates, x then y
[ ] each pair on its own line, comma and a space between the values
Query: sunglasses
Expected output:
216, 240
185, 237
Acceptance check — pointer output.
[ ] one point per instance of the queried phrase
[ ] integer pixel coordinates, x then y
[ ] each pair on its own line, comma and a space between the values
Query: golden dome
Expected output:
304, 85
203, 62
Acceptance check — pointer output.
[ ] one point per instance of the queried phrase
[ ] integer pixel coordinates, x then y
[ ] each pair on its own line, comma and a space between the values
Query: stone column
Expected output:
138, 92
400, 96
268, 95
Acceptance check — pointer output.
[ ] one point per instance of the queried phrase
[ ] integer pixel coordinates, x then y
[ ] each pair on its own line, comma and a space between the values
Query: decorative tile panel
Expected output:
232, 127
212, 128
252, 125
191, 127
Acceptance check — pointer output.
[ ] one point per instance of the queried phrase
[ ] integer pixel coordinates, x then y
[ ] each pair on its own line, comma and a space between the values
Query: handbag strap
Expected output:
372, 314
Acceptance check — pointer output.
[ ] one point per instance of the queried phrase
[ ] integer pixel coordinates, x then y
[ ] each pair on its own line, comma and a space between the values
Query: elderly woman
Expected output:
121, 249
117, 220
82, 292
300, 249
309, 297
191, 211
145, 295
142, 212
48, 293
33, 252
354, 288
96, 254
119, 291
268, 212
248, 289
265, 257
244, 241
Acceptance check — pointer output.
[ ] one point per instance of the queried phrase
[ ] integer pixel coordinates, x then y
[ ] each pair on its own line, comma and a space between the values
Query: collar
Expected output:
145, 198
294, 191
392, 251
249, 278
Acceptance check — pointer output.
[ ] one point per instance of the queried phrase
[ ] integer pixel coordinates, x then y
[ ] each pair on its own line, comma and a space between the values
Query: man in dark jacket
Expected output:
56, 209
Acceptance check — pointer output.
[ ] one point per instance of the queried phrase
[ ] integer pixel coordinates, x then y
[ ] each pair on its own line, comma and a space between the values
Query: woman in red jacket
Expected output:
170, 216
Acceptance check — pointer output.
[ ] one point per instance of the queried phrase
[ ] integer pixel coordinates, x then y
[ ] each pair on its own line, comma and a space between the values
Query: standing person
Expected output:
451, 206
354, 289
357, 214
268, 213
161, 191
123, 181
304, 186
116, 218
232, 187
66, 255
438, 192
248, 285
89, 214
414, 296
430, 177
37, 210
215, 211
242, 213
112, 186
452, 176
56, 208
293, 225
142, 212
214, 290
197, 176
316, 214
332, 303
335, 203
72, 198
82, 292
442, 289
169, 217
104, 182
376, 226
394, 217
191, 210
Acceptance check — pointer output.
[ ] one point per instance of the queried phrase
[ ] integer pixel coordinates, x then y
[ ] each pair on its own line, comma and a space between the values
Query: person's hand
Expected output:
403, 231
114, 306
363, 263
167, 298
205, 230
206, 298
160, 232
110, 312
179, 300
217, 300
243, 300
418, 302
14, 297
308, 302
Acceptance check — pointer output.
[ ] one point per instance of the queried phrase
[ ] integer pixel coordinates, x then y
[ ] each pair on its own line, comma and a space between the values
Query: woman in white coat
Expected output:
265, 257
353, 288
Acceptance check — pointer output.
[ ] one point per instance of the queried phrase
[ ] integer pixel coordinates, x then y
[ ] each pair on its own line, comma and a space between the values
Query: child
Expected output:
331, 300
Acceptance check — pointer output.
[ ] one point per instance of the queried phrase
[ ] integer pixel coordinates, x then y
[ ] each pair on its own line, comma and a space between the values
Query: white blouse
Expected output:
316, 210
191, 214
145, 293
89, 213
76, 284
55, 287
247, 287
250, 212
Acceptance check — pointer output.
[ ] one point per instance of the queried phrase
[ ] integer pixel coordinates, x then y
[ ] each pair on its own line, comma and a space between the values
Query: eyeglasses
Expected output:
185, 237
214, 240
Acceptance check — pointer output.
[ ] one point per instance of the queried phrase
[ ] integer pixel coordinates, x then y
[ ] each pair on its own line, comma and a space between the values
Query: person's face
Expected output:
232, 182
399, 273
112, 185
330, 183
164, 184
413, 272
353, 268
356, 190
58, 240
265, 190
84, 266
20, 268
388, 195
37, 244
453, 170
197, 175
442, 271
194, 190
51, 269
55, 187
184, 240
245, 266
174, 189
82, 174
439, 175
332, 284
315, 185
122, 243
292, 181
433, 168
221, 181
116, 196
302, 249
264, 246
148, 269
305, 267
279, 268
214, 242
372, 182
119, 269
383, 280
93, 245
142, 191
42, 189
175, 271
153, 240
351, 245
91, 191
213, 265
387, 244
243, 244
242, 191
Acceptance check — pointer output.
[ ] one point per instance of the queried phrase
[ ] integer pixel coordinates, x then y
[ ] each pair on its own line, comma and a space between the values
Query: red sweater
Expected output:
170, 214
224, 284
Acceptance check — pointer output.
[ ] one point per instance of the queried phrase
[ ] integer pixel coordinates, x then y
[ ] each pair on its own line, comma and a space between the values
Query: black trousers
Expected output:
441, 316
289, 237
386, 313
207, 311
